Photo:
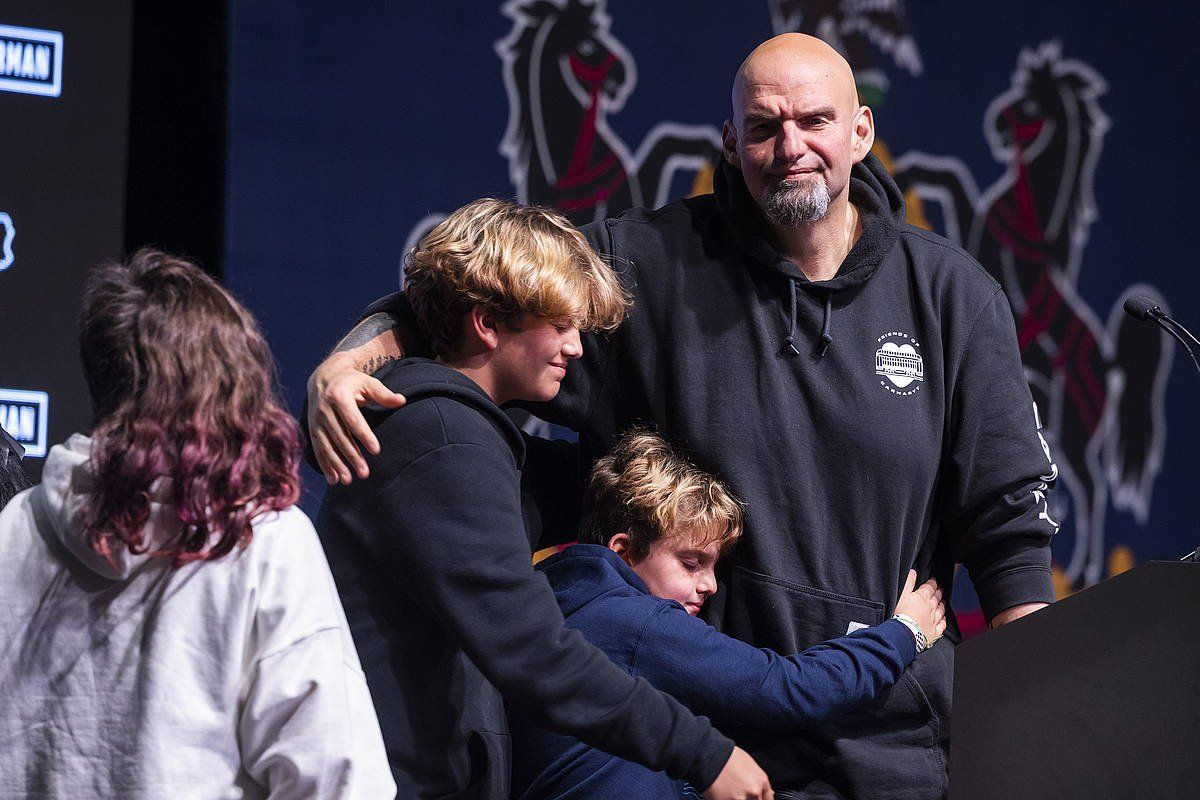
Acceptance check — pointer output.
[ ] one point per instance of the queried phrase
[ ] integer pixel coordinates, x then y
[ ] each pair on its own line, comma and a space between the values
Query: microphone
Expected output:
1144, 308
1141, 307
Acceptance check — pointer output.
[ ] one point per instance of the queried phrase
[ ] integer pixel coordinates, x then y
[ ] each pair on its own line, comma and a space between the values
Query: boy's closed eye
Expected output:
679, 567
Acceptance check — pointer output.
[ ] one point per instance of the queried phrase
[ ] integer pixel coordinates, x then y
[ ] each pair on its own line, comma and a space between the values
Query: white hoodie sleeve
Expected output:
307, 727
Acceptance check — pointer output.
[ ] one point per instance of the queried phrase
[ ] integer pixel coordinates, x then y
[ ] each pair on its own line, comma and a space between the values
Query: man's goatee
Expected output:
794, 203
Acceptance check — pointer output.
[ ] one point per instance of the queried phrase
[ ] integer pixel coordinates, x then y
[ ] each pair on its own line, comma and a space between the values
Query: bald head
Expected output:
789, 59
797, 129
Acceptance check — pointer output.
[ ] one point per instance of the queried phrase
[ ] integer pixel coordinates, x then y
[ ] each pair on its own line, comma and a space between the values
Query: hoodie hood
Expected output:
419, 378
66, 480
872, 191
583, 572
881, 206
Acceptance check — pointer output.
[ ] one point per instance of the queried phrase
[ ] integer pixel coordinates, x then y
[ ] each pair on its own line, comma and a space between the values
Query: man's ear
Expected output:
729, 143
482, 325
864, 133
621, 545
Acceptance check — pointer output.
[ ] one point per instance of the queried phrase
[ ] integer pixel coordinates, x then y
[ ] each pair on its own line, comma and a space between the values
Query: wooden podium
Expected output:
1097, 696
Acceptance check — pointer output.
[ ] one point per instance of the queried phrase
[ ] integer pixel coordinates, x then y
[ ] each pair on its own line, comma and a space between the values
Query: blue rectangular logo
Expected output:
30, 61
25, 415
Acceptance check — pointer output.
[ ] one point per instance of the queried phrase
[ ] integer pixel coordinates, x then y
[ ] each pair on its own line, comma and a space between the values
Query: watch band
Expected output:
923, 643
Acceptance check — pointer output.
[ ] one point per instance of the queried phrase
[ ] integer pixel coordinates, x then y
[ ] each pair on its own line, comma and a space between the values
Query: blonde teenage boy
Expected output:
431, 553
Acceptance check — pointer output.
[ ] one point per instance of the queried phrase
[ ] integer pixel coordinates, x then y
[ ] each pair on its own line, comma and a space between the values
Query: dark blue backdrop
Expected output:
348, 123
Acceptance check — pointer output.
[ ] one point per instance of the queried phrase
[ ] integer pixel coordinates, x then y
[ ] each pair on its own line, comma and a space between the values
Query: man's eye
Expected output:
690, 565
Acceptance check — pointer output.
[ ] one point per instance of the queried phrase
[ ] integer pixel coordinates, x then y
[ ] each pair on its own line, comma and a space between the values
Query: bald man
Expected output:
857, 381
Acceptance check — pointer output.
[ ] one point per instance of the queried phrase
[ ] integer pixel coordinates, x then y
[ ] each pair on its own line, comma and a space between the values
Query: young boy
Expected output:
653, 528
431, 553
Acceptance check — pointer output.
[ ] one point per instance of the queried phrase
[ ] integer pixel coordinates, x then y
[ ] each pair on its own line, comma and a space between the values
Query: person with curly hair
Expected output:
652, 530
171, 628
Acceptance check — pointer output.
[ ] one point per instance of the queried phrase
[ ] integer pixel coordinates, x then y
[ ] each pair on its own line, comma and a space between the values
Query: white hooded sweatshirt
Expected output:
234, 678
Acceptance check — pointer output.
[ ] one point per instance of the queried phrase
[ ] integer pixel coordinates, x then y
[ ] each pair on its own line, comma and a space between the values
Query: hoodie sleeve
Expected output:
455, 512
734, 682
307, 727
394, 304
306, 724
998, 470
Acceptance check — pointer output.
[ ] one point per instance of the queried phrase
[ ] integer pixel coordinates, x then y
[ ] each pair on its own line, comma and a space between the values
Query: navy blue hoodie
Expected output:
871, 423
432, 561
715, 675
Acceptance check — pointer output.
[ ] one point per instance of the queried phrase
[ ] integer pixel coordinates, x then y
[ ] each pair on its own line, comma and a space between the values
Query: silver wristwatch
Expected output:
923, 643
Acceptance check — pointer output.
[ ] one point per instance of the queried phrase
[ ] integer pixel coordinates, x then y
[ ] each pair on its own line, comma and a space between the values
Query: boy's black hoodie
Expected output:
432, 561
874, 422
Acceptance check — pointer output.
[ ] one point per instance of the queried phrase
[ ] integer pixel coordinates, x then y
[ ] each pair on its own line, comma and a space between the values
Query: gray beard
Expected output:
794, 203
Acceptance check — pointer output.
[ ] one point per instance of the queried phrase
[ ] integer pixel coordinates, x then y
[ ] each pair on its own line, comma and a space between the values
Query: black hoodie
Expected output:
874, 422
432, 561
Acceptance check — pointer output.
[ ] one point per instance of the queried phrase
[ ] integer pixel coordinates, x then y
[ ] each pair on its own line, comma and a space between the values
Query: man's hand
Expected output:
741, 779
336, 389
1016, 612
924, 605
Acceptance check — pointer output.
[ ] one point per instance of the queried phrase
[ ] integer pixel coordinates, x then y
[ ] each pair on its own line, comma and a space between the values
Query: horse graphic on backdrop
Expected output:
1100, 386
565, 73
860, 31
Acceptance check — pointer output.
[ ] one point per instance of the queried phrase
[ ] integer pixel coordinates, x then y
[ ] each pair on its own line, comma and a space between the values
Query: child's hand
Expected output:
924, 605
740, 779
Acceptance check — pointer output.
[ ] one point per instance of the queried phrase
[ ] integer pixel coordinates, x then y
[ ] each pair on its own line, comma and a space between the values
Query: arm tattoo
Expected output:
375, 362
365, 331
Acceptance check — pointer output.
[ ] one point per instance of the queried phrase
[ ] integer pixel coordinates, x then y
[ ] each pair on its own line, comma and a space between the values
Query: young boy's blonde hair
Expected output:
648, 490
511, 260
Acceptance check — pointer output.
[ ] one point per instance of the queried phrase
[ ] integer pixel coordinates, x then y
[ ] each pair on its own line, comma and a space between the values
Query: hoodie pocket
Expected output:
893, 746
788, 617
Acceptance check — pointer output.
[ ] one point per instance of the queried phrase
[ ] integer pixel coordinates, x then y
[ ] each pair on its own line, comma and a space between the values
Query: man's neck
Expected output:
819, 248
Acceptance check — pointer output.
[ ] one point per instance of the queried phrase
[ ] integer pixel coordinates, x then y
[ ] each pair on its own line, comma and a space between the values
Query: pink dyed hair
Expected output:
183, 388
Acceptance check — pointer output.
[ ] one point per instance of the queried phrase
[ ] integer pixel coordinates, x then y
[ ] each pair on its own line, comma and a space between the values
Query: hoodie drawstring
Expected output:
789, 339
826, 337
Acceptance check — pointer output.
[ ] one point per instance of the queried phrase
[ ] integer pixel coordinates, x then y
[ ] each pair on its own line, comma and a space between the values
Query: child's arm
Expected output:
734, 682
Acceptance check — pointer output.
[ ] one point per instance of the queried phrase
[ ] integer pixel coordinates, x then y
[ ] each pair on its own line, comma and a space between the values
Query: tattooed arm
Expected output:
342, 383
376, 337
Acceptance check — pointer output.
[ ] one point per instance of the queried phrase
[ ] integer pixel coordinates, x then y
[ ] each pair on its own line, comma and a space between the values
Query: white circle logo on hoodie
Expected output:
899, 364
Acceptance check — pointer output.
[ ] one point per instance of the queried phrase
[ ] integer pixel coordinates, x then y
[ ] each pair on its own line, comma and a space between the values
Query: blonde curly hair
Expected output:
647, 489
